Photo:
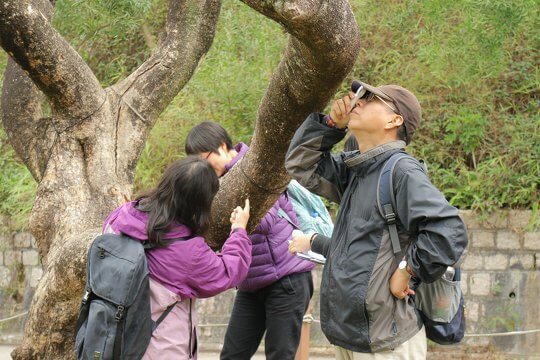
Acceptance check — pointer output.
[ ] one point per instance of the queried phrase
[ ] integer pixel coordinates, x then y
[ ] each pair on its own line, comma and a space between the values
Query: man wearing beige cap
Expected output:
366, 310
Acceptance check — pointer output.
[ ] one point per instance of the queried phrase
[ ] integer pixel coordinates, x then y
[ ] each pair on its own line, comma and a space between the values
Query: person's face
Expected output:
218, 160
372, 115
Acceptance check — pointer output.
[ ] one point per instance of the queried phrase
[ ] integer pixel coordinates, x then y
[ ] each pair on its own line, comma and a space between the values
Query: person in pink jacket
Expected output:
175, 216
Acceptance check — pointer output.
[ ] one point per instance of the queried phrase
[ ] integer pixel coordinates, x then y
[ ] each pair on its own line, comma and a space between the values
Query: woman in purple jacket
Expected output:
175, 216
276, 293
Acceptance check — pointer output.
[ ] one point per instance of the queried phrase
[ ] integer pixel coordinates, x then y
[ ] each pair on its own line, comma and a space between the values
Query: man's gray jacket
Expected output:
358, 312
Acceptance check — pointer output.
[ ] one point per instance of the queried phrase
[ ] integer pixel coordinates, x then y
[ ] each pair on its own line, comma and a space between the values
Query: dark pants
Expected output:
279, 309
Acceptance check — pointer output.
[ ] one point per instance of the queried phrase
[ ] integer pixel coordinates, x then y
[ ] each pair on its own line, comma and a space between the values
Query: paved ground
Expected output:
6, 350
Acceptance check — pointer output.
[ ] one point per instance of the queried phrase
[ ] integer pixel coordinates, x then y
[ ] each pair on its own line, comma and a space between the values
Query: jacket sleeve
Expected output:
423, 210
213, 273
310, 162
321, 244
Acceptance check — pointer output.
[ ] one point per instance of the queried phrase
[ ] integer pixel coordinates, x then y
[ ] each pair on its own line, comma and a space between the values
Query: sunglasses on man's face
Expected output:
369, 97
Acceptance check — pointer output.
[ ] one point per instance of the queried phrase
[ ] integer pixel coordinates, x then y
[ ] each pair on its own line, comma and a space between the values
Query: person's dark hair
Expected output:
402, 133
207, 137
184, 194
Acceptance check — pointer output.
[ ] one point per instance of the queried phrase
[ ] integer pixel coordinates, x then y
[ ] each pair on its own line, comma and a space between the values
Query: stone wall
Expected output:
20, 271
15, 251
501, 284
501, 281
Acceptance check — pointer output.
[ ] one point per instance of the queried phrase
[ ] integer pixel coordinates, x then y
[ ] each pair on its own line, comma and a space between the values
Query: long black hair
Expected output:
184, 194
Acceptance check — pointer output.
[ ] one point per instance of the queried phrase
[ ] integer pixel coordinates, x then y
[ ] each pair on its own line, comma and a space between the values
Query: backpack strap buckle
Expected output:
389, 214
86, 297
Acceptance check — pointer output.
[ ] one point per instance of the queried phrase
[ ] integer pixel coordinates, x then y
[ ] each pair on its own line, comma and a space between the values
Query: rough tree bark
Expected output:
83, 156
322, 48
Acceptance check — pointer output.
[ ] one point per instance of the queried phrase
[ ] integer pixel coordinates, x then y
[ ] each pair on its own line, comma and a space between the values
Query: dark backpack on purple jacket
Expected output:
114, 319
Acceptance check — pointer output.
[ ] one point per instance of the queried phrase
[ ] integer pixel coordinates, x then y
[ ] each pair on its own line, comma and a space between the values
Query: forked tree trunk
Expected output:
84, 155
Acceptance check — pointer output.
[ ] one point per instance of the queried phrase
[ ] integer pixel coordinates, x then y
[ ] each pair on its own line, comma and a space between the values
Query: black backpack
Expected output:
446, 332
115, 318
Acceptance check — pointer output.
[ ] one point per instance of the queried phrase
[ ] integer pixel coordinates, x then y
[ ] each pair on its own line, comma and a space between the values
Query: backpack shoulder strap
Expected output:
147, 245
163, 315
386, 198
283, 214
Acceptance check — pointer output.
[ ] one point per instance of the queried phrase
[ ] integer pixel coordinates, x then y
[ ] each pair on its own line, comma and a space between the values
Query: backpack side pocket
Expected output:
439, 300
96, 338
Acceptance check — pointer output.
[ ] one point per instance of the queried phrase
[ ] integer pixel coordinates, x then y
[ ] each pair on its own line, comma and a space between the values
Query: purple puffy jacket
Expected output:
271, 259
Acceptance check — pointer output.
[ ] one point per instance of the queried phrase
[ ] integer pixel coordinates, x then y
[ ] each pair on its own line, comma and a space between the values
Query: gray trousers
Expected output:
413, 349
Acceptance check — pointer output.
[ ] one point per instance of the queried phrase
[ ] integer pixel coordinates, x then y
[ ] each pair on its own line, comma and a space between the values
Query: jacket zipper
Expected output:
270, 251
341, 242
366, 317
190, 332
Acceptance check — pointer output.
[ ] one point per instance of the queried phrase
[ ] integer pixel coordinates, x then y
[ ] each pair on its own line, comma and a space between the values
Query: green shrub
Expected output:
17, 188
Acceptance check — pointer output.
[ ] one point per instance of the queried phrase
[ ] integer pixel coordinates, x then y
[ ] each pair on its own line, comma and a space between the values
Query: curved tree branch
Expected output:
321, 52
55, 67
29, 134
322, 49
189, 33
148, 90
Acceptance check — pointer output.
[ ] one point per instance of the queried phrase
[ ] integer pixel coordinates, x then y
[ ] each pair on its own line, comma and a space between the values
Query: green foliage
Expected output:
473, 65
467, 129
17, 187
108, 34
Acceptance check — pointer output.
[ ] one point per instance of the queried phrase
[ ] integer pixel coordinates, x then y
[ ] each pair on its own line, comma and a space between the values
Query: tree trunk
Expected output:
319, 55
83, 156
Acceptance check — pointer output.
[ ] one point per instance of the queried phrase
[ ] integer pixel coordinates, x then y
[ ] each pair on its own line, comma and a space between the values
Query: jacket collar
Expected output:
241, 149
356, 158
129, 220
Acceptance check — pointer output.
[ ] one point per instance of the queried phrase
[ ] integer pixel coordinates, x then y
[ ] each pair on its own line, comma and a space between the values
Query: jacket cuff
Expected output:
320, 244
238, 230
328, 123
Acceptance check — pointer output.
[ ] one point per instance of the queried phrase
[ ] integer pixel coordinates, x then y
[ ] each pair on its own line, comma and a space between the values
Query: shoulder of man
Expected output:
409, 164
